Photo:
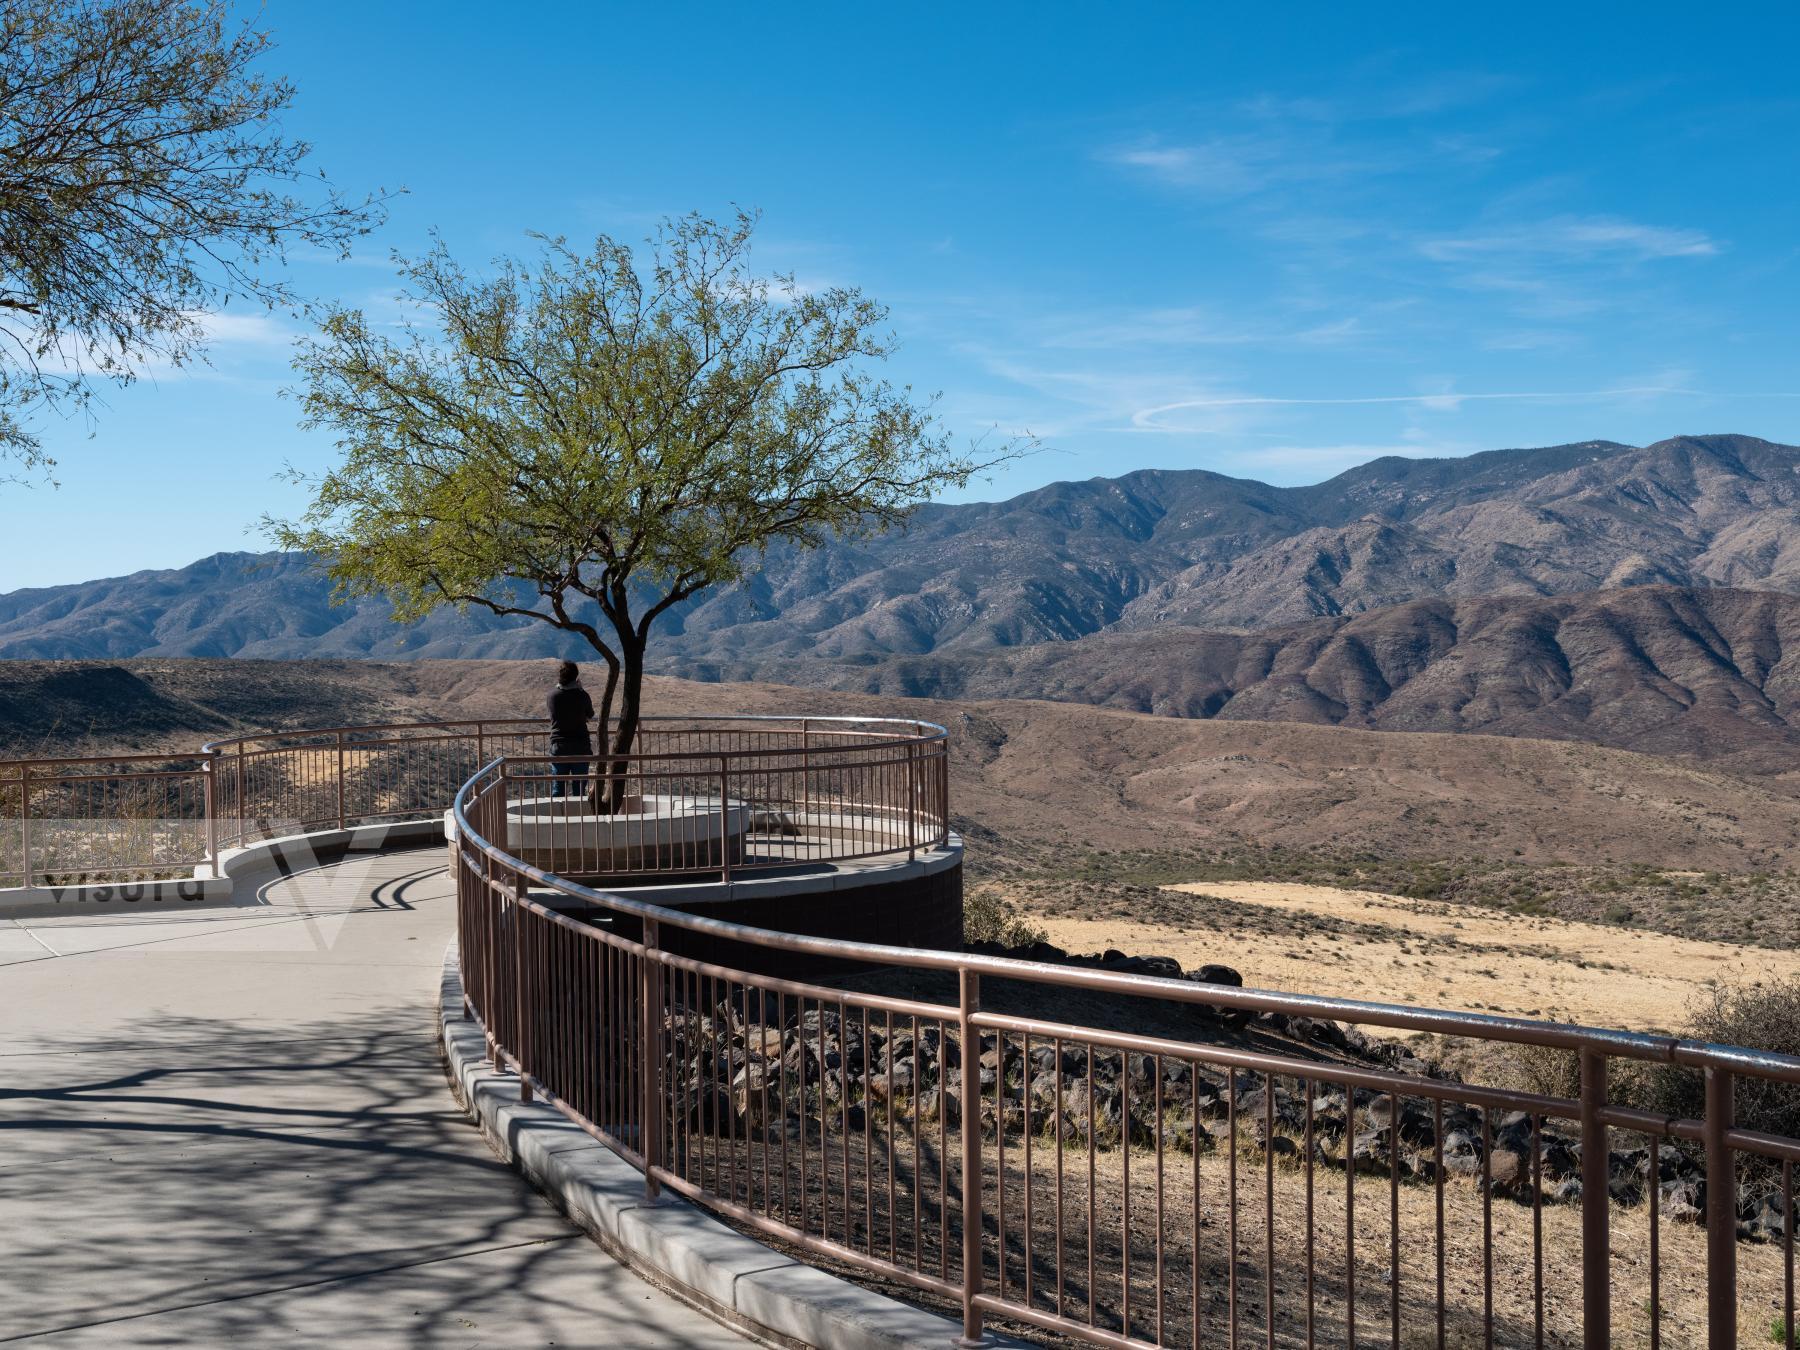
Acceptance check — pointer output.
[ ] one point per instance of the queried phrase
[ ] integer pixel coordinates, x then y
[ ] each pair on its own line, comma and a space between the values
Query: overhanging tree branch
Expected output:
142, 185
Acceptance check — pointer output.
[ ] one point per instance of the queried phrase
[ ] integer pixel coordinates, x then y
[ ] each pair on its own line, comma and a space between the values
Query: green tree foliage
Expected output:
590, 439
142, 185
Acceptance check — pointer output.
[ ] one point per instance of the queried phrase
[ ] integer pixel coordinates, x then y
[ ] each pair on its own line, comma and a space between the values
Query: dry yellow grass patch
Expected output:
1444, 955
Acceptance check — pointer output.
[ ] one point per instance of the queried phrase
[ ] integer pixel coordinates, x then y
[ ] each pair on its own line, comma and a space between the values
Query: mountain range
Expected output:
1146, 551
1645, 597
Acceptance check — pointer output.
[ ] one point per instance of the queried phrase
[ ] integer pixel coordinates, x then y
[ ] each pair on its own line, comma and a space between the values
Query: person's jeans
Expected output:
571, 778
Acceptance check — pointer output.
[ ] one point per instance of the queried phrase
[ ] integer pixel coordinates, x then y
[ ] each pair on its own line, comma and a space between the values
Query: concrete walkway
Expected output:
229, 1126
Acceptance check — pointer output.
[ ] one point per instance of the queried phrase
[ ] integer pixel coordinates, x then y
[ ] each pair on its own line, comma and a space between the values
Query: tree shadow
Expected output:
223, 1181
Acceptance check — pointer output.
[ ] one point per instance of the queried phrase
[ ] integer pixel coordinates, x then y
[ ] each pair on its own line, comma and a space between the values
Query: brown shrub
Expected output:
1760, 1016
987, 917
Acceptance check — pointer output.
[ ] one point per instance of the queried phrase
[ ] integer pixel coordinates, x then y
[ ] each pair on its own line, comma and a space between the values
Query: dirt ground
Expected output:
1361, 944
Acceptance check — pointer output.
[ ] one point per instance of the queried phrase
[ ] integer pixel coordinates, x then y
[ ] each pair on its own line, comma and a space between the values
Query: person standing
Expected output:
570, 712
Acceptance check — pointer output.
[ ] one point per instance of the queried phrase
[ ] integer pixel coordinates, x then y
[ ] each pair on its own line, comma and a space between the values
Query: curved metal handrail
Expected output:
924, 731
236, 790
277, 776
1396, 1016
523, 981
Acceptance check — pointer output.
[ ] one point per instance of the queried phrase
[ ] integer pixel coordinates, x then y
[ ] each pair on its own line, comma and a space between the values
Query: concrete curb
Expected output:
672, 1243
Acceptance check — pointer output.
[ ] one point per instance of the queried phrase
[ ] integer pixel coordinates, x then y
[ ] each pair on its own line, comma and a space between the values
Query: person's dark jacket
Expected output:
570, 710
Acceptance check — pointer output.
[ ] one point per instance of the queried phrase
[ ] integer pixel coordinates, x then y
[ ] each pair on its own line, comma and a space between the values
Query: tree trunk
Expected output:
631, 693
597, 791
603, 714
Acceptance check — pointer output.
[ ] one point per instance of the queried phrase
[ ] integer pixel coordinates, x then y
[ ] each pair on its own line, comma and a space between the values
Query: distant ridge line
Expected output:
1152, 549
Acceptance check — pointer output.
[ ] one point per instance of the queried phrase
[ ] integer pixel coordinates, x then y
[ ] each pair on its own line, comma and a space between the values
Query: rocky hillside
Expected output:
1708, 673
1147, 551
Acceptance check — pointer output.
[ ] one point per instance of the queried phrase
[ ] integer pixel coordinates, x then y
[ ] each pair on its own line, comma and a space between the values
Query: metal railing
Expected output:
1004, 1137
803, 789
1125, 1179
112, 817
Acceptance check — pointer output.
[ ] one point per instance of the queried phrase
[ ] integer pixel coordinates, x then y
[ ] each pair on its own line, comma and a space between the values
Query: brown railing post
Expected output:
941, 780
724, 818
520, 1001
1596, 1205
490, 963
969, 1000
25, 824
805, 772
1721, 1212
912, 800
242, 816
650, 1058
343, 819
210, 780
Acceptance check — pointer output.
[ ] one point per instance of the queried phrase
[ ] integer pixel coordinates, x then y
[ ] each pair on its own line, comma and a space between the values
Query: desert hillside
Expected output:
1713, 674
1036, 779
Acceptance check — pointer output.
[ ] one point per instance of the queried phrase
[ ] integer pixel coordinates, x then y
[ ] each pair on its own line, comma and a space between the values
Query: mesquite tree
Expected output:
143, 183
589, 439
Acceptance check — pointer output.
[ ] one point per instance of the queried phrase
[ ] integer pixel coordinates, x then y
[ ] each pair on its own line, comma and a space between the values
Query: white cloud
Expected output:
1175, 161
1575, 240
256, 330
220, 334
1647, 241
1325, 334
1163, 327
1233, 166
1155, 418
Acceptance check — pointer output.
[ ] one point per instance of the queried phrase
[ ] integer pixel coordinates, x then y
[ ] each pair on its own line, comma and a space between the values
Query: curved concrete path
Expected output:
229, 1126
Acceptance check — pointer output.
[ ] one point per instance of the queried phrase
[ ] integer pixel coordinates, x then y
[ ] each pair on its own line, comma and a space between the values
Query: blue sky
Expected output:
1270, 241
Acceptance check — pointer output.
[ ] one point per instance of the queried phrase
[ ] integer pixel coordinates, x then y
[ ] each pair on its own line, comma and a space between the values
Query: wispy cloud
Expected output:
236, 339
1220, 166
1151, 419
1271, 141
245, 330
1385, 100
1241, 165
1351, 329
1171, 327
1577, 240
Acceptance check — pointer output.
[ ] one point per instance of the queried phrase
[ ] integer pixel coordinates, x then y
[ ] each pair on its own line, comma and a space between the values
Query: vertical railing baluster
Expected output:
1721, 1212
725, 818
968, 1001
1596, 1203
522, 1049
650, 1037
912, 800
210, 798
25, 824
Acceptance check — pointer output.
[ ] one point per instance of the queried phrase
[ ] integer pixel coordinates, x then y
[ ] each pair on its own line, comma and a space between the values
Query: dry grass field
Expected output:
1362, 944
